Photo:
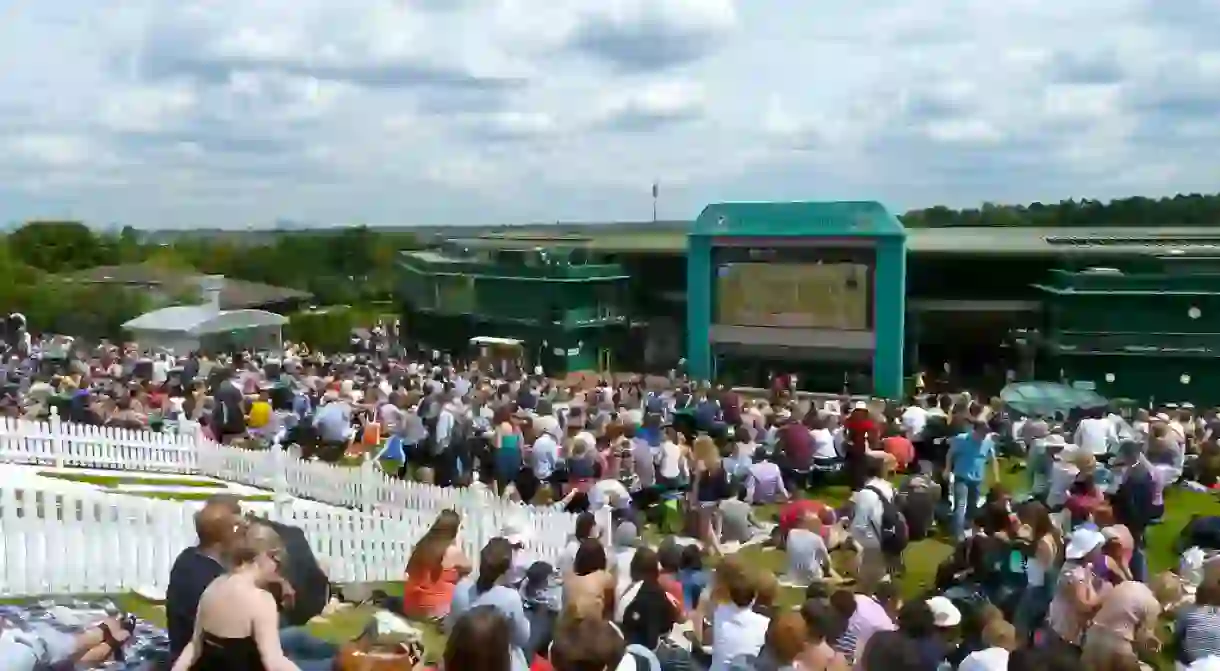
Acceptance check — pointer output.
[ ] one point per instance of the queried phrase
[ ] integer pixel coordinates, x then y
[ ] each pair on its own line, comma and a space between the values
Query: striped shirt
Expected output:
870, 617
1198, 629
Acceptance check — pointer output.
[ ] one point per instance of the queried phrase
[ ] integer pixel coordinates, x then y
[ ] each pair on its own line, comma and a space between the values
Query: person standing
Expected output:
862, 434
1133, 502
969, 454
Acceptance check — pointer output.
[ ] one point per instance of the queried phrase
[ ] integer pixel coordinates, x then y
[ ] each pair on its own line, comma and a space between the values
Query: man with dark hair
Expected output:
216, 525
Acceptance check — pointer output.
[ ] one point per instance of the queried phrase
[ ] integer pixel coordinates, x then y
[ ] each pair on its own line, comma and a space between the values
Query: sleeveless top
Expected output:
227, 654
424, 595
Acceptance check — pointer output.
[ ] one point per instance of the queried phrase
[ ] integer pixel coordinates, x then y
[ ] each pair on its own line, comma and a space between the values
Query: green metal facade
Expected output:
829, 225
567, 314
1137, 335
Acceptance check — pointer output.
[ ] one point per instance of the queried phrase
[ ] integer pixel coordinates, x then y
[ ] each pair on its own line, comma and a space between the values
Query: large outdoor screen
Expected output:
806, 295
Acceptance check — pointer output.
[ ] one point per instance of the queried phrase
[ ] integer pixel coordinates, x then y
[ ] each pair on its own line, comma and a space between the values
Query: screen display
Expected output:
794, 295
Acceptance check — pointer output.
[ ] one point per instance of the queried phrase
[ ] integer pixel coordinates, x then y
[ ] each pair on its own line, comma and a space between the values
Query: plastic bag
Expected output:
1190, 568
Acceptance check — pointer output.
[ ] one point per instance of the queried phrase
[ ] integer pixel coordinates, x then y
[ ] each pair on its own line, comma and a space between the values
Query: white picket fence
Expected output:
57, 543
94, 542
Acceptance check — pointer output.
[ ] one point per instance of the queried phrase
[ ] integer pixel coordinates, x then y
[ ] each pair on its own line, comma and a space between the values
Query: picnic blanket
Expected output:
54, 624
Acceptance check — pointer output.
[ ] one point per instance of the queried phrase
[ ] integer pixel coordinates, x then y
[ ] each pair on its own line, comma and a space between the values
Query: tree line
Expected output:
1135, 212
356, 265
351, 266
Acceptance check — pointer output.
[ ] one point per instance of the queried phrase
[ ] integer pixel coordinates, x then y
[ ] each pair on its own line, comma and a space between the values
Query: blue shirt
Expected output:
334, 421
969, 456
546, 456
504, 599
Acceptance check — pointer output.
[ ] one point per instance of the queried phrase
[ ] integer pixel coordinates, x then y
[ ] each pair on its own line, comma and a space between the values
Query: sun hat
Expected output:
515, 533
1082, 542
1082, 459
944, 613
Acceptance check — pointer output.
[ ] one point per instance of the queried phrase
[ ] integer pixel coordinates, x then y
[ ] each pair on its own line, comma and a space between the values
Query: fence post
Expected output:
368, 487
58, 442
193, 431
279, 465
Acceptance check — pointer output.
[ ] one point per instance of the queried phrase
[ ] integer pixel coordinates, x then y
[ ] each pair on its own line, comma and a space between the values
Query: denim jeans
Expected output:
1139, 560
1031, 610
965, 502
309, 652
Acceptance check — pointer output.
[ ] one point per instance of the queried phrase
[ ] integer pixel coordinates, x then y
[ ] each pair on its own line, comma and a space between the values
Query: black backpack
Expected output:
300, 568
461, 432
893, 532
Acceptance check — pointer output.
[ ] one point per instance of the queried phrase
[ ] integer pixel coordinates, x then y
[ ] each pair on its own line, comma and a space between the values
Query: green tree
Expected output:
58, 246
1135, 212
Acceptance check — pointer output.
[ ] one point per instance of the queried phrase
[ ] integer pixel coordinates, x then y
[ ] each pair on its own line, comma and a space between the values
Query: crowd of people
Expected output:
1054, 574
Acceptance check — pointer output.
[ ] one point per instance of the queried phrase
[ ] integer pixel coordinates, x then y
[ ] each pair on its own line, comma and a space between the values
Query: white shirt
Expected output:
867, 510
1096, 435
1177, 432
735, 632
622, 568
671, 454
160, 371
602, 490
1063, 474
991, 659
914, 419
823, 444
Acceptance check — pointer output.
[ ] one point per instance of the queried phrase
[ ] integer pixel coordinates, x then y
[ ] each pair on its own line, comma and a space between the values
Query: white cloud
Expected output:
51, 151
423, 111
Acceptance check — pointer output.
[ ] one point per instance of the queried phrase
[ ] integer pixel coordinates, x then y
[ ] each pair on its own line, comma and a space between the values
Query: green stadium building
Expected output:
840, 294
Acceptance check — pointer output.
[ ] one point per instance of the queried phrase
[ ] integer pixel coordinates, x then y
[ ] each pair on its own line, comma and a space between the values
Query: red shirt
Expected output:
797, 444
860, 431
793, 511
901, 449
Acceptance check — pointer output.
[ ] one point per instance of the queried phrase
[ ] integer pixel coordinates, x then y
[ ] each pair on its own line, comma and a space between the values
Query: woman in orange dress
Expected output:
434, 569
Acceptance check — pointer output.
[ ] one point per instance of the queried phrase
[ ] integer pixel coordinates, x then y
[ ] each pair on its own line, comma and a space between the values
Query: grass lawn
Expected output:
114, 481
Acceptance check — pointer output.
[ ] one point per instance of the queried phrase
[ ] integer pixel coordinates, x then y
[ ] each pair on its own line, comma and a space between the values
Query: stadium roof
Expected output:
670, 238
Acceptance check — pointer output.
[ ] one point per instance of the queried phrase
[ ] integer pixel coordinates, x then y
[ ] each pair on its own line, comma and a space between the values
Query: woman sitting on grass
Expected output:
238, 624
436, 565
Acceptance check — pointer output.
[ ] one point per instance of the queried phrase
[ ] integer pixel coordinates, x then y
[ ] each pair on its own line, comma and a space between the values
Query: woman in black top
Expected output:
646, 611
238, 623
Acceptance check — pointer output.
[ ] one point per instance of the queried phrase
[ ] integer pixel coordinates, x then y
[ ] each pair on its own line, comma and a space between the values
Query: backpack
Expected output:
893, 532
301, 570
458, 435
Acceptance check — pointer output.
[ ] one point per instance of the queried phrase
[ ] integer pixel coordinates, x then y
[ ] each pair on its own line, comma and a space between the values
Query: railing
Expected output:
55, 542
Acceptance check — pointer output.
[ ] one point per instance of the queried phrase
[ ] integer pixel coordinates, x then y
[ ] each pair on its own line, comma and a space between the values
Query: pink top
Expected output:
1129, 607
1064, 615
870, 617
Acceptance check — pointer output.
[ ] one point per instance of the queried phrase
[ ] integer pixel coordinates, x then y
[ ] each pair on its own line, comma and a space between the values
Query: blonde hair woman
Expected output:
238, 623
709, 488
731, 570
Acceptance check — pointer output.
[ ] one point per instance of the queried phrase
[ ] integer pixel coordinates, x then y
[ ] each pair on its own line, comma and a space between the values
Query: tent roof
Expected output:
203, 319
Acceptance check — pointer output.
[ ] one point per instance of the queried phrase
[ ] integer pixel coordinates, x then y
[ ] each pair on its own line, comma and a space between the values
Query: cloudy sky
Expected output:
173, 113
